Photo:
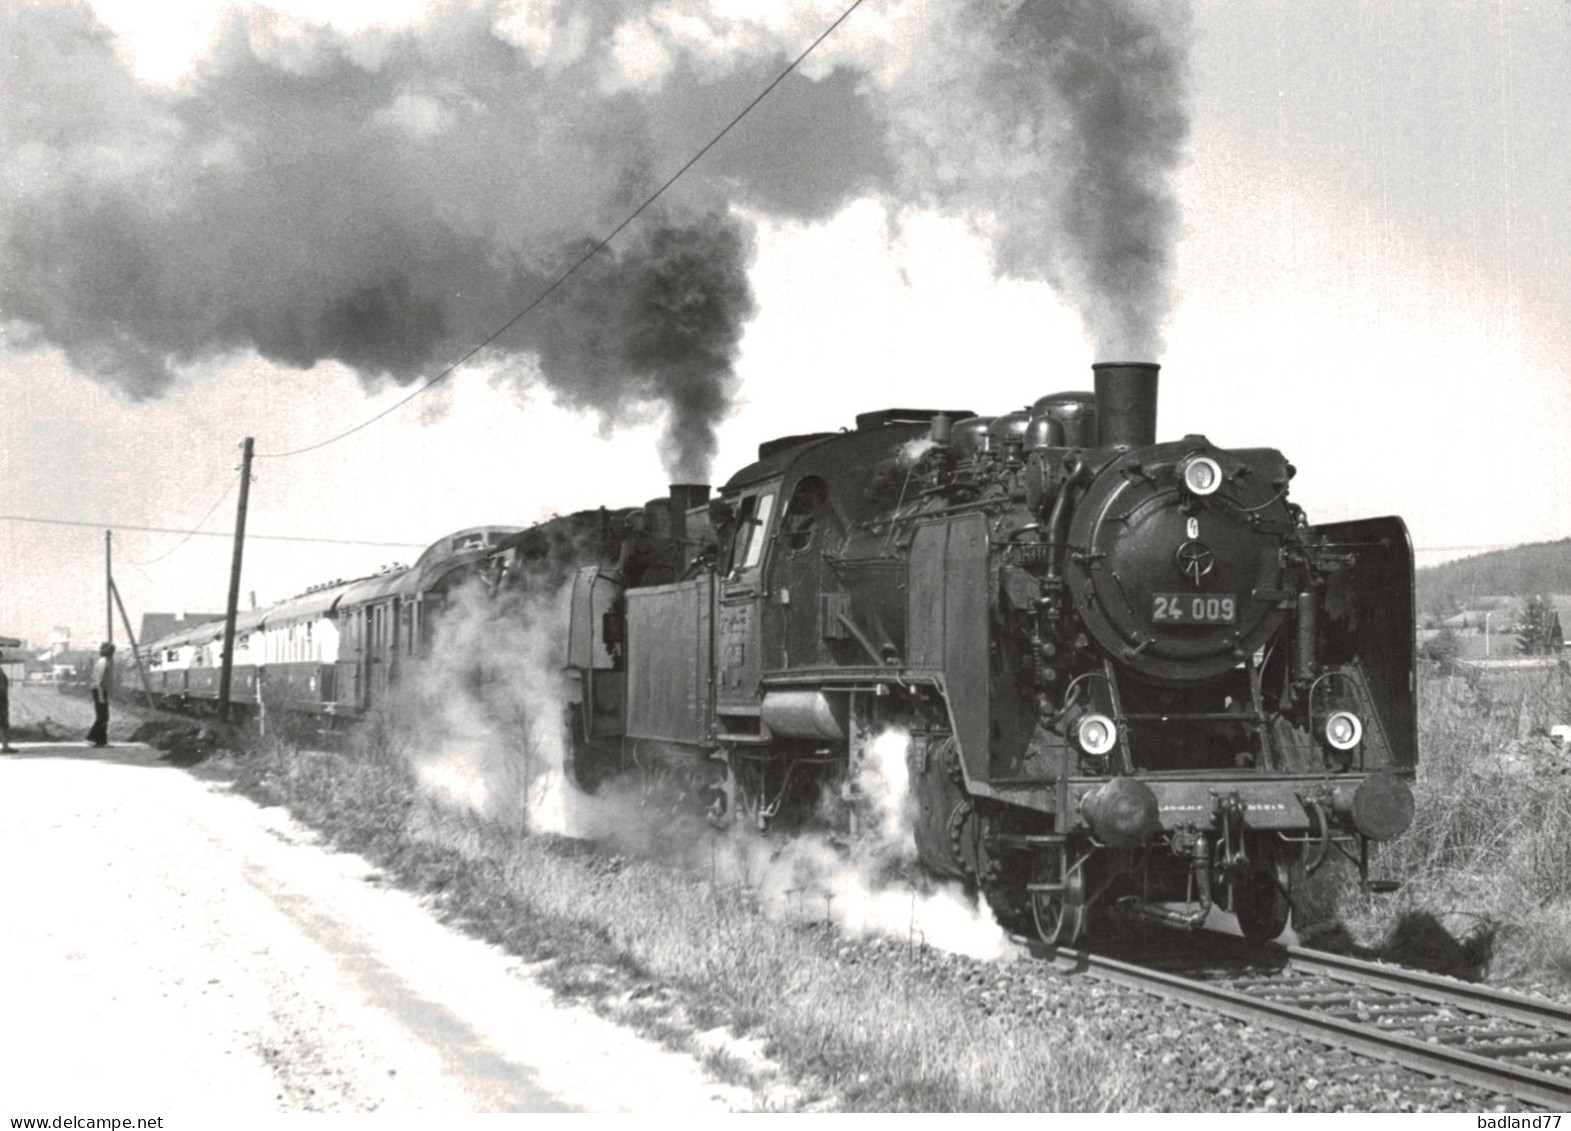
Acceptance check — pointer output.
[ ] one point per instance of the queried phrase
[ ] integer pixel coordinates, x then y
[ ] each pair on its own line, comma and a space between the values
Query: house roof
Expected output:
156, 626
1496, 619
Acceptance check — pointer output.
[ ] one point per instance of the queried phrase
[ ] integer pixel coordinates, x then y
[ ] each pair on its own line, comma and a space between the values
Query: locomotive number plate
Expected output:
1194, 608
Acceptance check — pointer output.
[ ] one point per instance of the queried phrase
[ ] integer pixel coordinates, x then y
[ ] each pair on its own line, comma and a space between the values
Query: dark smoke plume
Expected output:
1121, 71
1070, 120
388, 200
677, 298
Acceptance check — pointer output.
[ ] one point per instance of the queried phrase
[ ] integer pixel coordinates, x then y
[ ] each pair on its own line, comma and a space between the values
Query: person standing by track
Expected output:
5, 710
103, 676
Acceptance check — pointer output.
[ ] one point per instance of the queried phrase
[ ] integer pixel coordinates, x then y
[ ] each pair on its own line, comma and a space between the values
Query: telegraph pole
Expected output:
227, 673
136, 649
109, 590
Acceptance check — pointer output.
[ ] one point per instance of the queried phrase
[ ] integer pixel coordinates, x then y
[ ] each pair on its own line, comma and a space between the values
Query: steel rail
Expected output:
1434, 988
1546, 1089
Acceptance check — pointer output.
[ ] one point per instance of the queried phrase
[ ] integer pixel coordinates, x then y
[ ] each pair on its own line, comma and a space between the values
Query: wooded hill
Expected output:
1522, 571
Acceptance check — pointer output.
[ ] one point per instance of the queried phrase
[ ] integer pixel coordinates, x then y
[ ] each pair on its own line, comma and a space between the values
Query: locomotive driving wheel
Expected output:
735, 793
723, 791
1058, 900
1261, 898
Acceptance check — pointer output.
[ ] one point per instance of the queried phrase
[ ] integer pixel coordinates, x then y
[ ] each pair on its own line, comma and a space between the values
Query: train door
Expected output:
398, 636
597, 679
738, 628
376, 654
793, 606
351, 650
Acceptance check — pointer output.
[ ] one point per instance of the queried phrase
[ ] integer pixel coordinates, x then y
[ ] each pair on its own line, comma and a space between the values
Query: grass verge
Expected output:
677, 956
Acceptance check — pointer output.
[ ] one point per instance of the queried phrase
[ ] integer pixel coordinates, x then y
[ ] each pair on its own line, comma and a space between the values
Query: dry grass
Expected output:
616, 930
859, 1025
1490, 848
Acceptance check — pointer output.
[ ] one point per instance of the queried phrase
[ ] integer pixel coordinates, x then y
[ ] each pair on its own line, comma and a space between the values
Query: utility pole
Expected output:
136, 649
228, 671
109, 590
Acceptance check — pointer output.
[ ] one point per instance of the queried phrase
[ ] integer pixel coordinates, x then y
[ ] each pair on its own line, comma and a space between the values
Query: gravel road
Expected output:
171, 948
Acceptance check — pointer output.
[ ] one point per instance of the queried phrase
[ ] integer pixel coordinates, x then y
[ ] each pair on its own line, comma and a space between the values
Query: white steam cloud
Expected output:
491, 738
489, 708
388, 199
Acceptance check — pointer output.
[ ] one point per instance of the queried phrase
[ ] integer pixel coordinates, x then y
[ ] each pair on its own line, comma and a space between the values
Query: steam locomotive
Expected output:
1135, 680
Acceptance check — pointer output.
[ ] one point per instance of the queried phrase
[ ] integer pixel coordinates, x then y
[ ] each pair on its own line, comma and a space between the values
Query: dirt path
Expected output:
168, 947
44, 711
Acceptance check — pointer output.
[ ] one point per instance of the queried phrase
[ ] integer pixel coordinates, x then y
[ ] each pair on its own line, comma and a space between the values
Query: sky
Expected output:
1338, 226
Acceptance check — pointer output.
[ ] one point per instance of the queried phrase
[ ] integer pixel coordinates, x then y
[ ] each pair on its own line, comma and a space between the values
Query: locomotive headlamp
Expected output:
1096, 734
1343, 730
1202, 475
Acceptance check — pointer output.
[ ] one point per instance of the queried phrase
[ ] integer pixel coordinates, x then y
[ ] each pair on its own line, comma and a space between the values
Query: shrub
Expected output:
1491, 840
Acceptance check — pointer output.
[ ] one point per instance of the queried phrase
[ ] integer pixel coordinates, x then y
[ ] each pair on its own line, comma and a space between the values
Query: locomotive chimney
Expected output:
684, 497
1125, 403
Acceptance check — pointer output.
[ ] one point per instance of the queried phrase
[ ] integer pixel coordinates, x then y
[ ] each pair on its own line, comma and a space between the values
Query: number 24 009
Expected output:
1178, 608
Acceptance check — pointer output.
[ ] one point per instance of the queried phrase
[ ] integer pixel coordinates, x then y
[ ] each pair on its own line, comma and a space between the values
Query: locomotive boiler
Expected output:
1134, 679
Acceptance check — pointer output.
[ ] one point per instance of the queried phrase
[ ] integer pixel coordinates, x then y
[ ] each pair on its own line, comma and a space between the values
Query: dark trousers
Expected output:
99, 735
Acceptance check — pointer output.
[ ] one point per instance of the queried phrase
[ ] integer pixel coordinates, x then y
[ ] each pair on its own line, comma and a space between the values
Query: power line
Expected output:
423, 545
192, 532
210, 533
585, 258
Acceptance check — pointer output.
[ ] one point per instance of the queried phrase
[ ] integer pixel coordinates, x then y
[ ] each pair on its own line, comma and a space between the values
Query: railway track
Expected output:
1508, 1043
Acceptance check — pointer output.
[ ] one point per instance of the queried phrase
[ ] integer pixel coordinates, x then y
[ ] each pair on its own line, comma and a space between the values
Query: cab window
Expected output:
801, 513
752, 529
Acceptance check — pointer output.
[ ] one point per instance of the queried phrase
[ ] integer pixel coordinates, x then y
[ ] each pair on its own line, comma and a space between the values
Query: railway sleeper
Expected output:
1391, 1019
1495, 1036
1311, 1001
1395, 1011
1502, 1050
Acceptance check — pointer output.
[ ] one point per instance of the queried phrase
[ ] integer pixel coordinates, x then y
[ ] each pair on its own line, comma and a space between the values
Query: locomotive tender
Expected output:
1135, 680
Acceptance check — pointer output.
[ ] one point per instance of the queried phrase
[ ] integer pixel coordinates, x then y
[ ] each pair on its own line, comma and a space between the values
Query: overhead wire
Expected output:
201, 522
210, 533
594, 250
423, 545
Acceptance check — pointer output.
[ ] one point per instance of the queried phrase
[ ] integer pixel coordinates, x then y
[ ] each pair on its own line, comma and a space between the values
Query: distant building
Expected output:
1492, 632
156, 626
59, 641
15, 663
72, 665
1560, 616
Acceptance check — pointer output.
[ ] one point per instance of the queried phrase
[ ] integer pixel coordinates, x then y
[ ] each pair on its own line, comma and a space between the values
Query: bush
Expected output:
1443, 649
1491, 841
